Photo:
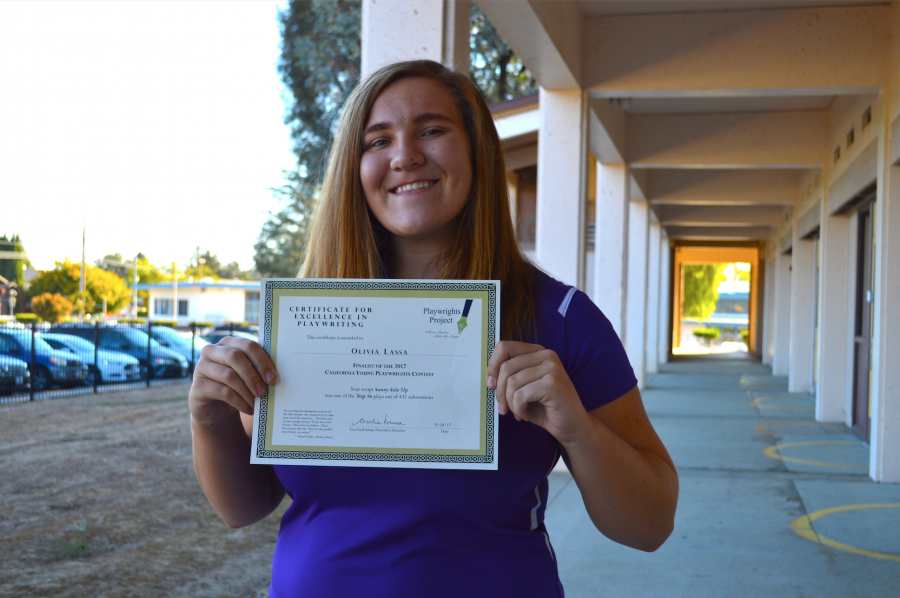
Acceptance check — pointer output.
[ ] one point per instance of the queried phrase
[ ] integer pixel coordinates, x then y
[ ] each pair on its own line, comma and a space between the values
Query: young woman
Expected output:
416, 188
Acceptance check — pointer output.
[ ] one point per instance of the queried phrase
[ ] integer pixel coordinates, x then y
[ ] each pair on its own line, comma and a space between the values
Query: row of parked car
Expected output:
66, 355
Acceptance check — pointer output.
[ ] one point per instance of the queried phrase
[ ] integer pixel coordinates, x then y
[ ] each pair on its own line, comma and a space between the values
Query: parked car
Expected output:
172, 339
51, 367
110, 366
162, 363
217, 335
14, 375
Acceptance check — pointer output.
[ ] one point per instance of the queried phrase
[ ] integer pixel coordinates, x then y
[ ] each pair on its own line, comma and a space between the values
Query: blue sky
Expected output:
159, 124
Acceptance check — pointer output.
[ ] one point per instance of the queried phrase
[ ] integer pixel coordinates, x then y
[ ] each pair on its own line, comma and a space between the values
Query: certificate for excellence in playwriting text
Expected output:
378, 373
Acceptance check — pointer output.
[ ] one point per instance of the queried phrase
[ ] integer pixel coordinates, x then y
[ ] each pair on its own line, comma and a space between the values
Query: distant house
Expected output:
207, 300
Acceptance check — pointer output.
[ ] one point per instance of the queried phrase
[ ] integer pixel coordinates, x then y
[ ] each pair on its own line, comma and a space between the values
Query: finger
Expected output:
227, 376
534, 392
239, 358
511, 367
524, 377
212, 389
257, 356
503, 351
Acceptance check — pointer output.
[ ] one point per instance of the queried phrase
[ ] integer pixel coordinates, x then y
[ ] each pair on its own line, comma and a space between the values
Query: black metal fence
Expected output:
40, 361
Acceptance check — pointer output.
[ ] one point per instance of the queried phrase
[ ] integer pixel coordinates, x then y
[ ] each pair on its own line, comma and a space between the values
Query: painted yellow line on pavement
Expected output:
764, 428
774, 452
802, 526
759, 403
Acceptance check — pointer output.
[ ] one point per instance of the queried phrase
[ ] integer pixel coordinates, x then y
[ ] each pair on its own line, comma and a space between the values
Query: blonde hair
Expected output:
346, 241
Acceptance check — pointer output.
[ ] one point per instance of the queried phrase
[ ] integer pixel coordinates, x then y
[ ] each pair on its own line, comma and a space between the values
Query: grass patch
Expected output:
79, 438
78, 549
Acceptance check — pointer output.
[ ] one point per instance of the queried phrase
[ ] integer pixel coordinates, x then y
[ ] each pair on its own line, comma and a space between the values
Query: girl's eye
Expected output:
378, 143
432, 132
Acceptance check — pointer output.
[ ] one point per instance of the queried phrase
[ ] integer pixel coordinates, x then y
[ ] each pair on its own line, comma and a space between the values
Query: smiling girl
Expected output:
416, 188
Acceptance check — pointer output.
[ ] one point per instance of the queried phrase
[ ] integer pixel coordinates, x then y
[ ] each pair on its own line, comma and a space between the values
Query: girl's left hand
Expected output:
530, 381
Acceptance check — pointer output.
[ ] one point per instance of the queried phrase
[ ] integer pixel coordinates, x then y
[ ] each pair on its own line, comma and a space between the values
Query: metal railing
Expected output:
40, 361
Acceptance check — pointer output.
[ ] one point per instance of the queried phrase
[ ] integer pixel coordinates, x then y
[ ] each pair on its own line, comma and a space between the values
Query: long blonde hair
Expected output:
346, 241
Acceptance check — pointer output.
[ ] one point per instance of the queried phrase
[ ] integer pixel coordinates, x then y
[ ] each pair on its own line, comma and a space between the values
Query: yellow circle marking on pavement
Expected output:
759, 403
764, 428
802, 526
773, 452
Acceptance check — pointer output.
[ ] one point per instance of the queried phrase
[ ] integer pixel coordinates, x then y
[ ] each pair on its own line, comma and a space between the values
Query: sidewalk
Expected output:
772, 503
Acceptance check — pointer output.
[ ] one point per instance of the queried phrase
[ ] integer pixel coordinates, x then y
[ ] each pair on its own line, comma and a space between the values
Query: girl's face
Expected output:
416, 165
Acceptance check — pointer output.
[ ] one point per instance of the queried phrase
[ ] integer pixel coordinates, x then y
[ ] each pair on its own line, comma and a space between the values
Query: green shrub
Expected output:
708, 333
26, 317
131, 320
745, 335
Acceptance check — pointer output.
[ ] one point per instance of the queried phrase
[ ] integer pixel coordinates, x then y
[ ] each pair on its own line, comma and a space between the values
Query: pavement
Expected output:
772, 503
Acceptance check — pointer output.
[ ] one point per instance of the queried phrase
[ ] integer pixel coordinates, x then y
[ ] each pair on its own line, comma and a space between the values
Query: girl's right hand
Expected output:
228, 377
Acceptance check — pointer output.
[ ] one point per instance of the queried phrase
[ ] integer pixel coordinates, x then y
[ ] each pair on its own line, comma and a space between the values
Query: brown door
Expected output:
863, 324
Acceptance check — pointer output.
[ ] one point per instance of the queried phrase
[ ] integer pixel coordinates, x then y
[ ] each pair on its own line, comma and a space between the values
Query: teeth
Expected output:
413, 186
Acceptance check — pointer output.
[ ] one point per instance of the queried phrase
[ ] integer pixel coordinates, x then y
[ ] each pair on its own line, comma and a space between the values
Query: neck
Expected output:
415, 260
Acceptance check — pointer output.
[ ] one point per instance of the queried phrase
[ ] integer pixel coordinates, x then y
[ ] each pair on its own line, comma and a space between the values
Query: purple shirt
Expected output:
396, 533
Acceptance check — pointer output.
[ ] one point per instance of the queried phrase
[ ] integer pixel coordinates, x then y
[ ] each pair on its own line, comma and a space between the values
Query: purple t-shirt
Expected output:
396, 533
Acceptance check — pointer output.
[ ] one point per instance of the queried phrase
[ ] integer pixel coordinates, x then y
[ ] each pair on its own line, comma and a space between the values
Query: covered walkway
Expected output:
772, 502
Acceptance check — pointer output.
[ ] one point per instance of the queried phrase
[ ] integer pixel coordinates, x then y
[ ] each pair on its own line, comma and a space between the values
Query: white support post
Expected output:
636, 305
768, 342
610, 242
834, 298
665, 298
561, 185
803, 265
431, 29
884, 434
651, 347
782, 313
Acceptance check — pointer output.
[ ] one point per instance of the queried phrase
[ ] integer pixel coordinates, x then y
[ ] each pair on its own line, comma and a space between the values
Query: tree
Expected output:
499, 73
700, 290
52, 307
13, 270
279, 248
99, 285
212, 267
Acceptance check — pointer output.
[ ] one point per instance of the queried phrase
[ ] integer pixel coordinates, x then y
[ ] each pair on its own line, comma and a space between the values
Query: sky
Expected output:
159, 126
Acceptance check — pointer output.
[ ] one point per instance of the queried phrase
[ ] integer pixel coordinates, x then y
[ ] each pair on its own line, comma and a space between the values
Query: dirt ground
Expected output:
98, 498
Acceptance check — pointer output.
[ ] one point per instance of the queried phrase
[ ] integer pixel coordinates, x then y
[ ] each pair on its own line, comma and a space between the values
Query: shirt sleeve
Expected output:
594, 356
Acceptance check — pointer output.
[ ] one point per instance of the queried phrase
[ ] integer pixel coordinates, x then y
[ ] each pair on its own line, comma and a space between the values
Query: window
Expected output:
251, 307
182, 307
162, 307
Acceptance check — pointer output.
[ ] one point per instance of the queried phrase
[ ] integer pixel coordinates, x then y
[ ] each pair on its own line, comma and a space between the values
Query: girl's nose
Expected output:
407, 155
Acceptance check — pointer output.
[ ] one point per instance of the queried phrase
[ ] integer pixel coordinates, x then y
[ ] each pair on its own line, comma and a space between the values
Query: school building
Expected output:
667, 133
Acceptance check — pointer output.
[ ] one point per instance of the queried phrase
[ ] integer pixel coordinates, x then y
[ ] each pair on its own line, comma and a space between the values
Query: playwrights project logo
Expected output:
445, 316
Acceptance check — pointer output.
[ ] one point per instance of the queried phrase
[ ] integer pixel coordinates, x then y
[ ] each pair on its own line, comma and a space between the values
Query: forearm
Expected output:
240, 493
629, 494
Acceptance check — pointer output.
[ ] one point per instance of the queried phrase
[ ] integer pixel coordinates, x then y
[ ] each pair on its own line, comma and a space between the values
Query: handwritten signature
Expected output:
378, 422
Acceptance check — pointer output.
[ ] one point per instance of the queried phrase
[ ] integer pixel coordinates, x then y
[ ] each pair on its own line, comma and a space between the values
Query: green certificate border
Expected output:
487, 291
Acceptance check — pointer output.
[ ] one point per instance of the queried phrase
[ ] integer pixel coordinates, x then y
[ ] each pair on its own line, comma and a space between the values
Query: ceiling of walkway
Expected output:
722, 108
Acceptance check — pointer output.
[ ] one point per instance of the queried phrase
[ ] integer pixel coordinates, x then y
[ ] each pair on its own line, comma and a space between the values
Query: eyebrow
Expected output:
424, 117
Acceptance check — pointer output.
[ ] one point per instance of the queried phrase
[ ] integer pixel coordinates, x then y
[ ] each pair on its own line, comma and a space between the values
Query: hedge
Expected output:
708, 333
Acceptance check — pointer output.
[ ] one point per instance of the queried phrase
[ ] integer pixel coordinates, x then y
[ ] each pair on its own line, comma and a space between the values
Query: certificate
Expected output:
378, 373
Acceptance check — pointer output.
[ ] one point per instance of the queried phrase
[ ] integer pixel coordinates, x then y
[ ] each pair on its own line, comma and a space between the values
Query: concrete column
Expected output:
562, 177
414, 29
884, 440
782, 312
768, 300
636, 304
610, 242
665, 299
803, 264
834, 296
651, 347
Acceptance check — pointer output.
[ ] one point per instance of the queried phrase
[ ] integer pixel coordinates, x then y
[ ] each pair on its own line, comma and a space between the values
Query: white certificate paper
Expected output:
378, 373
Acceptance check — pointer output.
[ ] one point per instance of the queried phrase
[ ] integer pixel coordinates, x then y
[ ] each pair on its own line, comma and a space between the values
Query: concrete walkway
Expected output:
772, 503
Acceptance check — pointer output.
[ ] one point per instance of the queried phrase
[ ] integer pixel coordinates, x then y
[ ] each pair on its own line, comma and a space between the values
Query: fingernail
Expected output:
270, 377
260, 390
491, 382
